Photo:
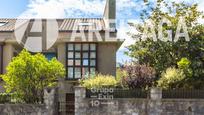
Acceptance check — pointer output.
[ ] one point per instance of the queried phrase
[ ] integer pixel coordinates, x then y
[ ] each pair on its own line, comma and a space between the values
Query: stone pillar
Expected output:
155, 105
8, 51
61, 50
80, 94
62, 97
156, 93
51, 100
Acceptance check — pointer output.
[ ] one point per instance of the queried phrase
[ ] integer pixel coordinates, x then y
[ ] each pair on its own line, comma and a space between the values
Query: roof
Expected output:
74, 24
9, 26
68, 24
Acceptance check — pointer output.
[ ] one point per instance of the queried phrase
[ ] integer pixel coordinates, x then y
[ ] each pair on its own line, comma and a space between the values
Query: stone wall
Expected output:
48, 108
153, 106
22, 109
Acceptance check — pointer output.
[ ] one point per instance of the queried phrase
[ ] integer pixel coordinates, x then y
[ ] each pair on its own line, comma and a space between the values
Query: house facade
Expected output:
80, 57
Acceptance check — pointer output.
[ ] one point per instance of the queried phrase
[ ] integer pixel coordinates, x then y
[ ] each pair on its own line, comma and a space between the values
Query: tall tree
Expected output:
162, 54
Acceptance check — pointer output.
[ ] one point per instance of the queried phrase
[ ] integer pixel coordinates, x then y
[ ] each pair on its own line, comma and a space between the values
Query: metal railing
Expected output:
183, 94
139, 93
5, 98
121, 93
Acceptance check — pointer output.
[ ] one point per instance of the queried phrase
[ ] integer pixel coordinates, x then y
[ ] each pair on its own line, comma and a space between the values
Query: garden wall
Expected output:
134, 106
48, 108
23, 109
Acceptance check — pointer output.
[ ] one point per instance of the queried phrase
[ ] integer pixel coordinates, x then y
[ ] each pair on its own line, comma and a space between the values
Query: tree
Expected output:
163, 54
27, 76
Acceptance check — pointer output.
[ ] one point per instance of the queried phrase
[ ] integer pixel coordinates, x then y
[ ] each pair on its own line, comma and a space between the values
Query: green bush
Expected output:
171, 78
27, 76
99, 81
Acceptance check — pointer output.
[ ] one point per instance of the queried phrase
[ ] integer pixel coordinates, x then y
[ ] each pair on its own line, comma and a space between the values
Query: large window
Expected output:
81, 60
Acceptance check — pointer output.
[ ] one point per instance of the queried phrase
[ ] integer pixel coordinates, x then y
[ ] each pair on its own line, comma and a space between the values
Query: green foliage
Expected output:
194, 79
181, 77
171, 78
9, 98
27, 75
4, 98
121, 74
139, 76
183, 63
99, 81
160, 54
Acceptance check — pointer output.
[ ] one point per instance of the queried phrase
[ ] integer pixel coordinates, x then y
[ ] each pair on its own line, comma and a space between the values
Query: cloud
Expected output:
200, 5
64, 8
45, 9
80, 8
84, 8
123, 31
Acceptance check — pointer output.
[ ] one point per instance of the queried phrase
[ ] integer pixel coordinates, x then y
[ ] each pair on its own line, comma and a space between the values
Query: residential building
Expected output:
79, 57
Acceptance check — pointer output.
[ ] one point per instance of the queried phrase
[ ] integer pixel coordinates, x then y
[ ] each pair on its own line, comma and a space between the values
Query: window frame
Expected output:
81, 66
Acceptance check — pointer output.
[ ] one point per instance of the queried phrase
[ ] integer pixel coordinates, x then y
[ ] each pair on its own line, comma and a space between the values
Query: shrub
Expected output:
194, 73
27, 76
171, 78
139, 76
99, 81
120, 76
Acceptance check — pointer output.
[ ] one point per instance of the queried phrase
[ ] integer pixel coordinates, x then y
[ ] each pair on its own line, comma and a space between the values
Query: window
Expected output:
3, 23
81, 60
50, 55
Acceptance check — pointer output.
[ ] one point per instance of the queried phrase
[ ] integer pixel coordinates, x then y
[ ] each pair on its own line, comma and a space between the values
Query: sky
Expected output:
127, 10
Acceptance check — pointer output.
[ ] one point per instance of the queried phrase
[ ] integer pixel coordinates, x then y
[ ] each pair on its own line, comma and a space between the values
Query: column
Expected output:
7, 55
61, 56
